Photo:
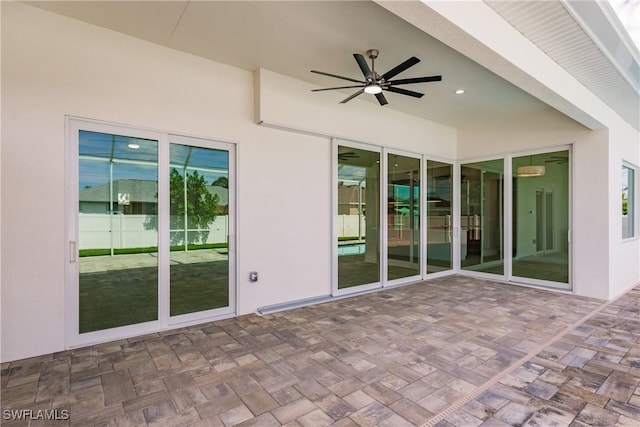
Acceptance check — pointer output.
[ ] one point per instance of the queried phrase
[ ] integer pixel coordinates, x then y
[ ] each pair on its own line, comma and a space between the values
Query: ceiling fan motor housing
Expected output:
375, 83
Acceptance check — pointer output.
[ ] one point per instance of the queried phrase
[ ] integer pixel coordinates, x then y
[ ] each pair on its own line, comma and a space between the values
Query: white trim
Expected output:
423, 217
334, 217
457, 213
636, 192
507, 206
454, 203
164, 239
383, 198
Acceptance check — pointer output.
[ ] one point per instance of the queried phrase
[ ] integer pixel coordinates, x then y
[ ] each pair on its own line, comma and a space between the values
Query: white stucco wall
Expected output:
54, 67
624, 257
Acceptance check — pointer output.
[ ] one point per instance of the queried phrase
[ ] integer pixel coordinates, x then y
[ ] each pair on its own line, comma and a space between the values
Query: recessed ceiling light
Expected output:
459, 91
133, 146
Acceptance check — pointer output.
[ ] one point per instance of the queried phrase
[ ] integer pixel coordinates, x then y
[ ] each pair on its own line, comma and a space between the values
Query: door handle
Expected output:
72, 251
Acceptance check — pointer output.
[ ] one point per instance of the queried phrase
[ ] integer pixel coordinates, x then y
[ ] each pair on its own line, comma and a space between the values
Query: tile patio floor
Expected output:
456, 351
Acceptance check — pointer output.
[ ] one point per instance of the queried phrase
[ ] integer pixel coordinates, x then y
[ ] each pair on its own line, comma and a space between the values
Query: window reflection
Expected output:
358, 220
439, 210
481, 219
199, 226
541, 217
403, 213
118, 244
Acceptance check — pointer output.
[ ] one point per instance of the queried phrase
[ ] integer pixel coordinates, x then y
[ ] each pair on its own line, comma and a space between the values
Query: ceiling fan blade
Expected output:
415, 80
337, 76
405, 92
360, 92
381, 99
338, 87
364, 67
400, 68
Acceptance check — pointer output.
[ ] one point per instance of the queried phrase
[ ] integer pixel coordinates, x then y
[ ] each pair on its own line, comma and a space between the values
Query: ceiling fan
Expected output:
375, 83
557, 159
346, 156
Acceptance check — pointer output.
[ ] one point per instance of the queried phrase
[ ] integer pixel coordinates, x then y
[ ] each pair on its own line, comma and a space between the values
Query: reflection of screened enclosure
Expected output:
118, 195
198, 195
351, 209
125, 210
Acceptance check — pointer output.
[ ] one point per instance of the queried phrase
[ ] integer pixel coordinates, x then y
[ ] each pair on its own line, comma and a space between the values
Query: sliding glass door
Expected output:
118, 264
533, 222
151, 231
439, 220
481, 216
540, 197
403, 217
358, 217
199, 226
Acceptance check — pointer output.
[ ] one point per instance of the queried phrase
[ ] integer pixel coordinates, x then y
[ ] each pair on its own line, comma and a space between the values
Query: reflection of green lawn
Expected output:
113, 298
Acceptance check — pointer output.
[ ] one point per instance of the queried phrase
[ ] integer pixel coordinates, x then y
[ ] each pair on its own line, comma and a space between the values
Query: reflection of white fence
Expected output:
348, 225
625, 227
133, 231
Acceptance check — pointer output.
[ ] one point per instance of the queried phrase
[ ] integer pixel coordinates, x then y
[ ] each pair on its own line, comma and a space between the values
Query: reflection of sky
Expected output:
629, 13
103, 147
354, 173
94, 173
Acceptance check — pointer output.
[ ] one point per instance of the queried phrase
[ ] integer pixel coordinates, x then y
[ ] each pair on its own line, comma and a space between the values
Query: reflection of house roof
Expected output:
349, 194
139, 190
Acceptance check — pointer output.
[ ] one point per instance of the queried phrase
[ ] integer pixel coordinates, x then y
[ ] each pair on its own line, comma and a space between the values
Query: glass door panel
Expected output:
541, 217
403, 213
358, 220
199, 229
118, 236
439, 211
481, 216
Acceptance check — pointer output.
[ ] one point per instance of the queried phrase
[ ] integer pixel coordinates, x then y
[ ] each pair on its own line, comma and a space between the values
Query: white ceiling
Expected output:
294, 37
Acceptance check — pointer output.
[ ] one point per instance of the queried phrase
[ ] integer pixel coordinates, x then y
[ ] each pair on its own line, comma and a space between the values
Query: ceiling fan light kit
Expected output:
530, 171
373, 89
375, 83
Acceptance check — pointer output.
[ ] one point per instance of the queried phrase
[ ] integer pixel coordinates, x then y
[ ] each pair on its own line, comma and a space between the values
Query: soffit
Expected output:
584, 39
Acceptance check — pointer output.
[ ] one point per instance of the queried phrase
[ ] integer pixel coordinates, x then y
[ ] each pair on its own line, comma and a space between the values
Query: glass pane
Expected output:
481, 202
439, 210
403, 212
199, 221
358, 217
118, 237
541, 217
628, 202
